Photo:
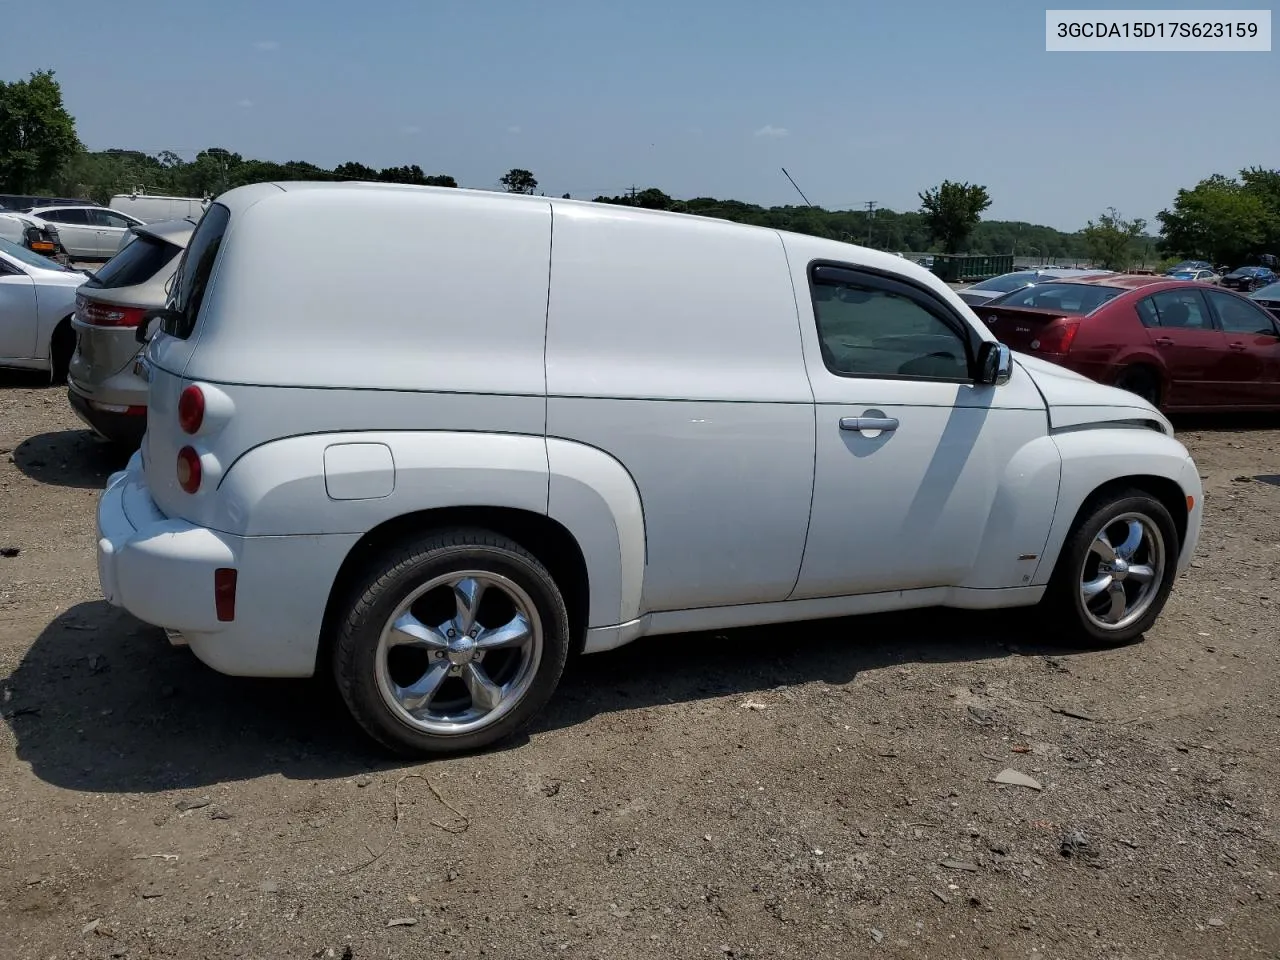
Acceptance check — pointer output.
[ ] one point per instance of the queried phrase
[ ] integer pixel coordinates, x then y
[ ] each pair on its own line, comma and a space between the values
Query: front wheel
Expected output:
1142, 381
451, 643
1115, 572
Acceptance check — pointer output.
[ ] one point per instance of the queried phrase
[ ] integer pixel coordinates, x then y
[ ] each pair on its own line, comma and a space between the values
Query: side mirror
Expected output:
152, 321
995, 364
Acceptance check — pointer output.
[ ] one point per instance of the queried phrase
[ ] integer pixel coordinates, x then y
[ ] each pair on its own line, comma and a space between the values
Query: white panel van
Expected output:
519, 428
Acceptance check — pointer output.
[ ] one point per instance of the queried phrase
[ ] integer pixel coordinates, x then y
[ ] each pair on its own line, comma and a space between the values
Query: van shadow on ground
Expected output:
69, 458
102, 703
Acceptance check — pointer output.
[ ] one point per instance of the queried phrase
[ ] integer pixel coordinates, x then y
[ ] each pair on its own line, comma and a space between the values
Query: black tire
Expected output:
390, 580
1063, 608
61, 346
1142, 381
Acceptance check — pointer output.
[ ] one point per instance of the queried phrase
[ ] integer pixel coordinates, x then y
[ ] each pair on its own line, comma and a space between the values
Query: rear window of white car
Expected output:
137, 263
192, 279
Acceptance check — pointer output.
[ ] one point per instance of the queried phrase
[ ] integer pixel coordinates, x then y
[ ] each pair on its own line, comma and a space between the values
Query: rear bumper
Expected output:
110, 424
162, 570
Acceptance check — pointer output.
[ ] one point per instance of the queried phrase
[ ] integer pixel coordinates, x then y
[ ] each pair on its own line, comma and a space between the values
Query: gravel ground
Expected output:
816, 792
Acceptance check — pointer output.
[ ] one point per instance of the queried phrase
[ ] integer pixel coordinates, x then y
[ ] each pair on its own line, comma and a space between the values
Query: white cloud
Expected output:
267, 44
245, 103
769, 130
513, 129
410, 130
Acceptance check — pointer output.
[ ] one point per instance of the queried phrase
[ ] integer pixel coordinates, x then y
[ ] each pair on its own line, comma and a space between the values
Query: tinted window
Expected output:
1010, 281
1239, 316
71, 216
867, 331
105, 218
1175, 309
137, 263
30, 257
192, 279
1067, 298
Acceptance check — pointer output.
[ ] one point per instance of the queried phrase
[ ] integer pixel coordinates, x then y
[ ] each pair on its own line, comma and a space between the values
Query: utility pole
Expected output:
871, 210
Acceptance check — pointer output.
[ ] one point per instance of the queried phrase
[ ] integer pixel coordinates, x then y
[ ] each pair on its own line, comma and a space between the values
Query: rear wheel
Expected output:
61, 346
1142, 381
451, 643
1115, 572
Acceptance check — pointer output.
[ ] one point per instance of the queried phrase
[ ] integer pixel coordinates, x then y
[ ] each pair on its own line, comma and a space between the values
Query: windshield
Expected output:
138, 262
1270, 292
30, 257
1068, 298
1010, 281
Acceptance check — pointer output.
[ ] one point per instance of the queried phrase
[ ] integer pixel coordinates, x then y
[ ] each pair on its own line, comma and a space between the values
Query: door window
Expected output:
875, 328
105, 218
1175, 309
1239, 316
73, 215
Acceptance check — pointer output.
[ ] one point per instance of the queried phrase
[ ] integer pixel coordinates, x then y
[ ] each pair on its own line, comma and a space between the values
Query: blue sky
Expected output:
703, 97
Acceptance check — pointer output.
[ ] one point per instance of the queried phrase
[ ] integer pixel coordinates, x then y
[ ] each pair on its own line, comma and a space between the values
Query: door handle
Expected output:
869, 423
1236, 346
1163, 342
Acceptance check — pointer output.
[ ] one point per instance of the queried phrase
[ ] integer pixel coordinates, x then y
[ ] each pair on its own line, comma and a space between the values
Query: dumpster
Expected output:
955, 268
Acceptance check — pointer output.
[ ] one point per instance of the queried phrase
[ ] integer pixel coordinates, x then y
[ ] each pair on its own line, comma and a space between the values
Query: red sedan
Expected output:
1182, 345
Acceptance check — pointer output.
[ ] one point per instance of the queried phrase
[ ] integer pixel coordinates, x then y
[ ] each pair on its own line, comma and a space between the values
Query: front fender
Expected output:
351, 483
1094, 456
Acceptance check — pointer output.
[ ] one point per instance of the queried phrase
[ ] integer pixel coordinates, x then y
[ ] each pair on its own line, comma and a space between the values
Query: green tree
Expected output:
37, 134
1265, 185
951, 211
1110, 240
518, 181
1218, 220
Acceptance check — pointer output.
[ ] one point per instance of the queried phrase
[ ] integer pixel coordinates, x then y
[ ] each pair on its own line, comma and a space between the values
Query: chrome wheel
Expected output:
1122, 571
459, 652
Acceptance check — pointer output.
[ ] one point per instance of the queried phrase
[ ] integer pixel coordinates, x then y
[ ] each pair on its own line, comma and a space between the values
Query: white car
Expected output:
37, 299
440, 484
87, 233
41, 238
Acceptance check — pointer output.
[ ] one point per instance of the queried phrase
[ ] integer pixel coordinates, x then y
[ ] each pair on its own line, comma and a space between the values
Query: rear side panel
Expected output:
361, 310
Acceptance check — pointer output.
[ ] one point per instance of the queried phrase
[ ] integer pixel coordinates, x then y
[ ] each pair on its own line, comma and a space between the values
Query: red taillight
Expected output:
224, 593
106, 315
189, 469
191, 409
1057, 337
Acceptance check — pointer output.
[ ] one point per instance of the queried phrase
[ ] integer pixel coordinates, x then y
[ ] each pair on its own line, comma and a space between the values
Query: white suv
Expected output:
520, 428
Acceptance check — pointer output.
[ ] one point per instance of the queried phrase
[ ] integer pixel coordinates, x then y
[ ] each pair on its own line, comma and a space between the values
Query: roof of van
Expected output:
240, 199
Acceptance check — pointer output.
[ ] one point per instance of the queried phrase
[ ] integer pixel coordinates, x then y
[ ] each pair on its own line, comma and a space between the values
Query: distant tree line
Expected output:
1221, 219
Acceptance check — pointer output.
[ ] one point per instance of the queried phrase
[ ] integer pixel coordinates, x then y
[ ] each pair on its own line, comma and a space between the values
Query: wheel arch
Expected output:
62, 336
544, 537
1100, 462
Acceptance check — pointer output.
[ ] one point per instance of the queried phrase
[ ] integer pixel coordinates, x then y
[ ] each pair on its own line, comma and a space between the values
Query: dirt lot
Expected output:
812, 791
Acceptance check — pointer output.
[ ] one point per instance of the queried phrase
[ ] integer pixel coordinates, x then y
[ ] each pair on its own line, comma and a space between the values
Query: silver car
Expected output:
105, 385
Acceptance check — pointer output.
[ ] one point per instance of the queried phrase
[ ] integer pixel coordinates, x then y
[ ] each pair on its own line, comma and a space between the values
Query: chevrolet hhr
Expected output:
520, 428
